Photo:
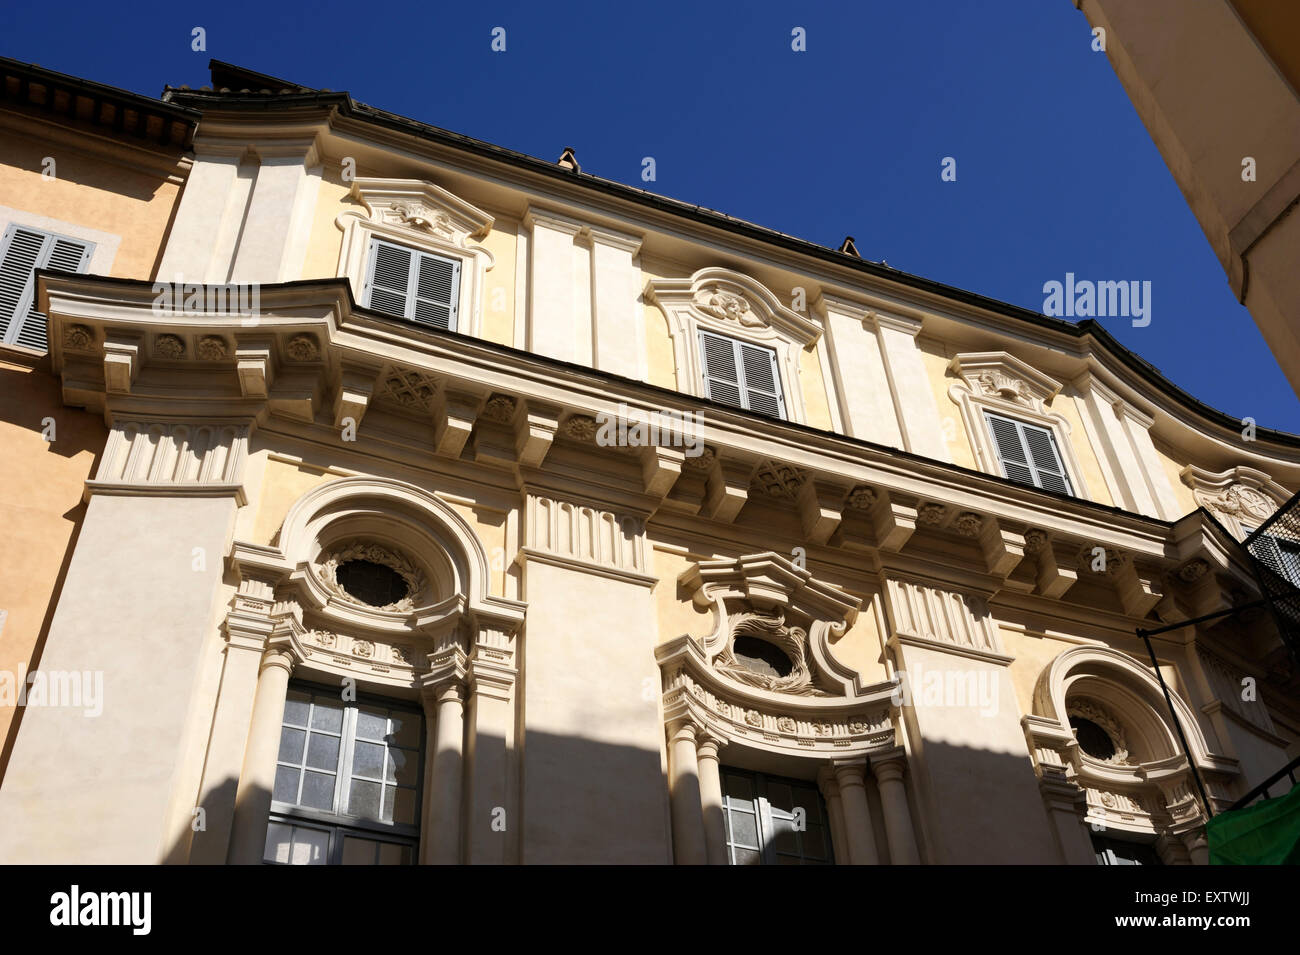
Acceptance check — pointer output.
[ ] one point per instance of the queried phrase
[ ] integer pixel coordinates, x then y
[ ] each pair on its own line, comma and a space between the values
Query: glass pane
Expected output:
778, 794
746, 857
286, 784
814, 842
390, 853
405, 730
323, 752
744, 830
291, 742
318, 791
810, 801
295, 707
310, 847
367, 759
279, 838
782, 836
364, 800
399, 805
403, 766
358, 851
326, 715
739, 788
372, 723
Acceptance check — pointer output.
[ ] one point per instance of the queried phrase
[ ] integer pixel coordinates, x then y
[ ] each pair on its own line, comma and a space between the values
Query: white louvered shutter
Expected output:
436, 292
1045, 458
740, 374
721, 370
762, 383
22, 252
1028, 454
411, 284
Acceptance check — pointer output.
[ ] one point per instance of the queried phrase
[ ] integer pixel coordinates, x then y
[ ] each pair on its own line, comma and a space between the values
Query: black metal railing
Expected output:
1262, 790
1274, 549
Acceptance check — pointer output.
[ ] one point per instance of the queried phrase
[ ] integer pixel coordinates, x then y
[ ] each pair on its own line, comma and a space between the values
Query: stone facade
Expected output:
610, 587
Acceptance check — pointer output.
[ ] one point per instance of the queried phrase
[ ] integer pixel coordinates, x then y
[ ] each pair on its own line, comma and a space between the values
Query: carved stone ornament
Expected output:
931, 515
419, 216
1086, 709
327, 572
363, 648
323, 639
78, 338
781, 481
169, 346
411, 389
1241, 501
862, 498
791, 641
211, 348
500, 408
999, 384
1035, 540
702, 461
968, 524
728, 307
581, 427
303, 348
1193, 570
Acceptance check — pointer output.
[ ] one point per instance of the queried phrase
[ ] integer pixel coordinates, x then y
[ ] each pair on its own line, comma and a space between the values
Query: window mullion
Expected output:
741, 382
343, 782
763, 817
1029, 457
413, 283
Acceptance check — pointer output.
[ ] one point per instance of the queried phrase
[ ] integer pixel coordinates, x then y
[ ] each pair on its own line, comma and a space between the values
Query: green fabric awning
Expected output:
1267, 833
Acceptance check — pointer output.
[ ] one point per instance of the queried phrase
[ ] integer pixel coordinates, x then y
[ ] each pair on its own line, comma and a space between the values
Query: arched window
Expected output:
1113, 772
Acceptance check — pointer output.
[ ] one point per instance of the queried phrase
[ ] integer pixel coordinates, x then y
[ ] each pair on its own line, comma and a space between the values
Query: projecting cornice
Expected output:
311, 364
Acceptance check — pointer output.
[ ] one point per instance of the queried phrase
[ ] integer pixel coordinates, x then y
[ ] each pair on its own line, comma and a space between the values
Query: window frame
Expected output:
412, 282
737, 351
763, 820
1021, 425
26, 301
340, 824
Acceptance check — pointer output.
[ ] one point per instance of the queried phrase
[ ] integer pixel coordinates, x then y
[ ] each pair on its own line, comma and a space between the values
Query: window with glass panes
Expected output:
347, 781
1116, 852
774, 821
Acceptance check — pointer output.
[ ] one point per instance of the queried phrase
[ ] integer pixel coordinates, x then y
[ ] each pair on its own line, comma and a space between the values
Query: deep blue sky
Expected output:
1055, 171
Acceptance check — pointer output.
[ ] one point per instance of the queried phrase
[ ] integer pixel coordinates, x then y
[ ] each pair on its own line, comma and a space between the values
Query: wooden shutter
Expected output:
740, 374
388, 278
22, 252
762, 383
411, 284
721, 369
437, 291
1028, 454
1046, 460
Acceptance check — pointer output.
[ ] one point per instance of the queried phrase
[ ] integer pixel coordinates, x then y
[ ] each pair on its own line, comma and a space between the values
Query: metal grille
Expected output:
1274, 548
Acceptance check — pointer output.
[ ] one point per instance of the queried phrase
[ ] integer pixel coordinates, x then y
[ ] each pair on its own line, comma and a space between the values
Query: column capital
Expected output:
827, 782
683, 728
708, 745
278, 655
889, 766
849, 772
439, 688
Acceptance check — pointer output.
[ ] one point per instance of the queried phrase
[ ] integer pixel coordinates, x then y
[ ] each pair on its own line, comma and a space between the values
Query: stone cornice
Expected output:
307, 335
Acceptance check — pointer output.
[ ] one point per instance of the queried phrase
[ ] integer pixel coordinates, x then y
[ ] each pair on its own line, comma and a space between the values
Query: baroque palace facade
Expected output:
334, 532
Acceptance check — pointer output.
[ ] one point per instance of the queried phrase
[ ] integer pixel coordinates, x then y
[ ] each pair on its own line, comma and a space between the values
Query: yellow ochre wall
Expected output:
90, 189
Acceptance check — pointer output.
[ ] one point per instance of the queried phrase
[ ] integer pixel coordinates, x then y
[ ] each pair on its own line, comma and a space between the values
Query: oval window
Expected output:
761, 657
1093, 740
371, 583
